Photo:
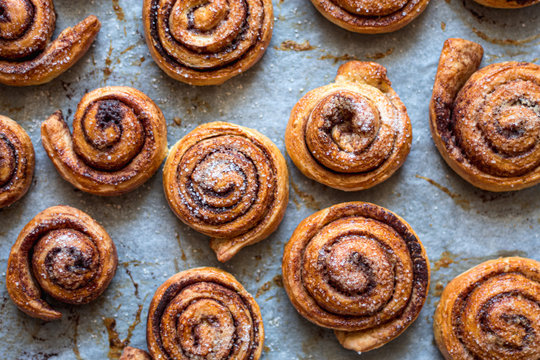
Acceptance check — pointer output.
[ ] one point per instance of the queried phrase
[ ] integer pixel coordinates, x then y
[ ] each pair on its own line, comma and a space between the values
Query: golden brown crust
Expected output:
359, 269
119, 141
16, 162
27, 55
222, 40
486, 123
229, 182
491, 312
507, 4
352, 134
131, 353
204, 313
371, 16
66, 254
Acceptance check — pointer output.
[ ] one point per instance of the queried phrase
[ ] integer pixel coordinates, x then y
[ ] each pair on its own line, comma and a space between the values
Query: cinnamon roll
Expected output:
228, 182
207, 43
507, 4
204, 313
351, 134
131, 353
119, 141
491, 312
359, 269
64, 253
27, 55
16, 161
371, 16
486, 123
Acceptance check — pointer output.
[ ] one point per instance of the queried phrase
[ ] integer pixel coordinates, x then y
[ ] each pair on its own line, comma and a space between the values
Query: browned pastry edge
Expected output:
206, 286
228, 238
503, 289
213, 75
131, 353
507, 4
58, 56
352, 331
370, 24
75, 228
21, 162
63, 148
456, 74
365, 79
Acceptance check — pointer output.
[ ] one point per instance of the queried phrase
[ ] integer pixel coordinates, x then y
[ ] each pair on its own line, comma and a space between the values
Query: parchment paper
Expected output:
459, 225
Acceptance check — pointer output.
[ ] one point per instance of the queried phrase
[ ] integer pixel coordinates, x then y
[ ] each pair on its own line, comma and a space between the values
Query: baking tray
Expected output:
459, 225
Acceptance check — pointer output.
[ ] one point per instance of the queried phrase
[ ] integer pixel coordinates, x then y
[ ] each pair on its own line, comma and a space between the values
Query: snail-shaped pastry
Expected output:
27, 55
119, 141
228, 182
491, 312
486, 123
371, 16
351, 134
131, 353
204, 313
507, 4
207, 43
16, 161
64, 252
359, 269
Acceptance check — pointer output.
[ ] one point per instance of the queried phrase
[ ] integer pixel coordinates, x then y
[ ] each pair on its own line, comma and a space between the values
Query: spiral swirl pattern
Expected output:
491, 312
371, 16
352, 134
119, 141
70, 256
27, 55
358, 269
206, 43
228, 182
488, 129
16, 161
204, 313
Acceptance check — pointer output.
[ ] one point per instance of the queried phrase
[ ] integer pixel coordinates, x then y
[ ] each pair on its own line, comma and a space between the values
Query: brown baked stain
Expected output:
291, 45
118, 10
458, 199
75, 347
296, 203
276, 281
443, 26
493, 57
177, 121
379, 55
116, 346
266, 349
138, 62
446, 259
183, 254
196, 105
135, 285
496, 41
338, 58
129, 48
439, 287
107, 71
308, 200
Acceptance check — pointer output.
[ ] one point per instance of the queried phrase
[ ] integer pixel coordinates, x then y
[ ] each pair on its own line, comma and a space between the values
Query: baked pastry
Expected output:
486, 123
371, 16
119, 141
204, 313
64, 253
351, 134
507, 4
228, 182
359, 269
207, 43
16, 161
131, 353
27, 55
491, 312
